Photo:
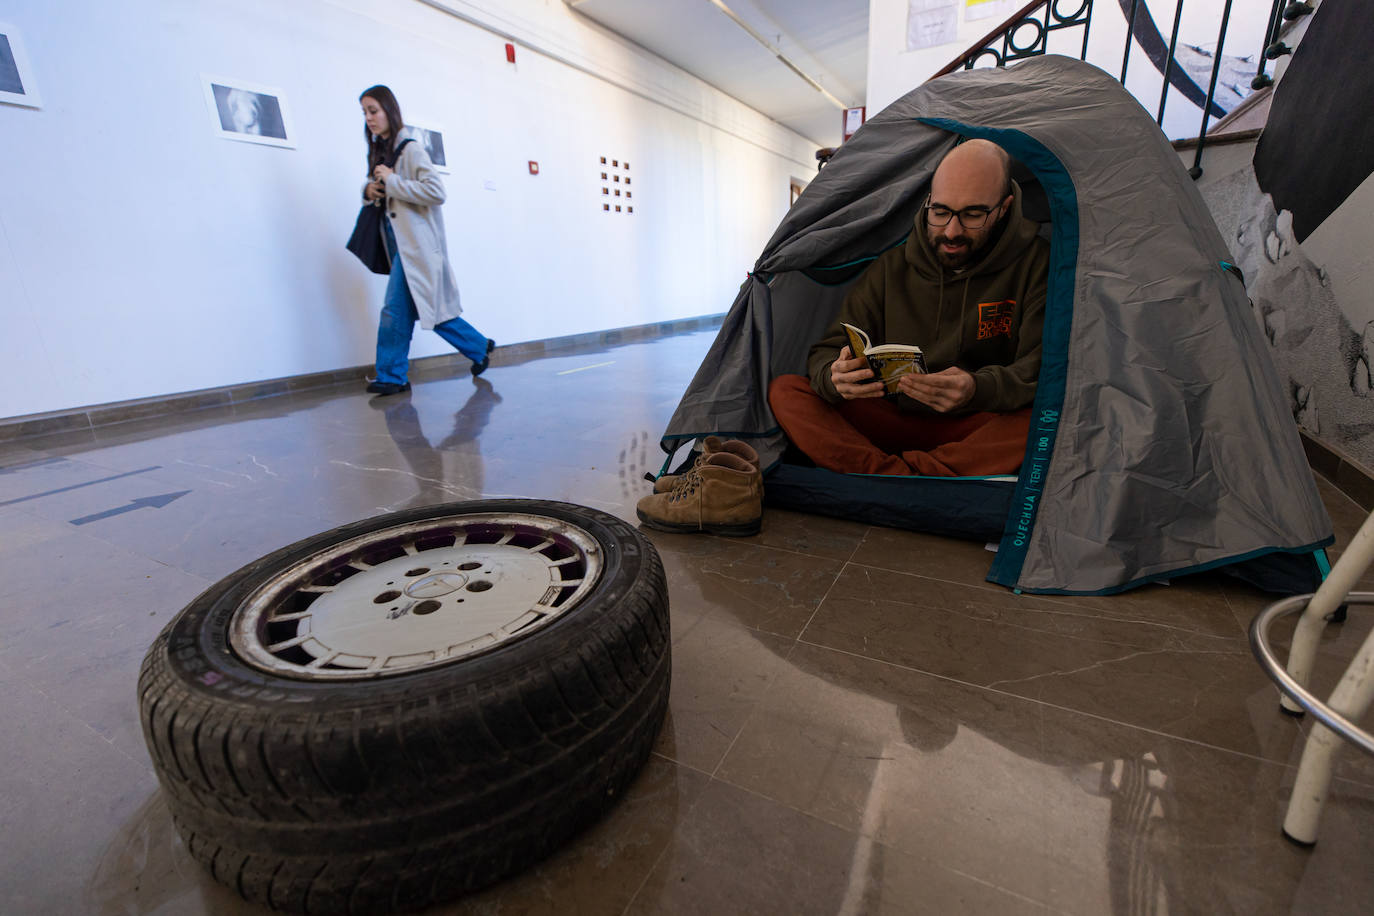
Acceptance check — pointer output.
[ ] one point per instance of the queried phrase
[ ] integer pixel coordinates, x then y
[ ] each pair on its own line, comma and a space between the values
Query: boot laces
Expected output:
689, 484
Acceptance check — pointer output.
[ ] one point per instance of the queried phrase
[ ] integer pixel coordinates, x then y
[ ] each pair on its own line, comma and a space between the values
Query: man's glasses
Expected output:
969, 217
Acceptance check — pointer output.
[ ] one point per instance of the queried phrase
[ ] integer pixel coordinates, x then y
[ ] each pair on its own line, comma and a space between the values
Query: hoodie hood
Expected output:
1013, 235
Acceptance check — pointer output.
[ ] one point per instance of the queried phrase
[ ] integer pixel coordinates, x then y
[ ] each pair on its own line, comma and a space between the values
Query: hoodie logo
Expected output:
994, 318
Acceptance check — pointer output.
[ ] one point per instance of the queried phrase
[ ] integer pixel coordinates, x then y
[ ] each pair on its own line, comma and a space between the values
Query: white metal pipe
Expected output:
1264, 653
1351, 699
1330, 596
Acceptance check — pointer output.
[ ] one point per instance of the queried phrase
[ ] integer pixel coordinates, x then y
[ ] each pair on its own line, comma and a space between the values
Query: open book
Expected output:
889, 362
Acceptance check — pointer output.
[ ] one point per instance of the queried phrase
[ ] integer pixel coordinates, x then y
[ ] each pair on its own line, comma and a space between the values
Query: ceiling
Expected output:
827, 40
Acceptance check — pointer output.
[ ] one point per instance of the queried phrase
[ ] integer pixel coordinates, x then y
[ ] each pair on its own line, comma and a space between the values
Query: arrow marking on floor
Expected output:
143, 502
77, 486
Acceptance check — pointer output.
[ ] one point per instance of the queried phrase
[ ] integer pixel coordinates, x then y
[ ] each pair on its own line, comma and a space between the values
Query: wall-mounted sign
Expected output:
853, 120
990, 9
931, 22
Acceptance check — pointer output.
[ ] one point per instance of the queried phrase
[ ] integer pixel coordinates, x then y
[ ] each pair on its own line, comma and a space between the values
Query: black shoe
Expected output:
479, 367
385, 388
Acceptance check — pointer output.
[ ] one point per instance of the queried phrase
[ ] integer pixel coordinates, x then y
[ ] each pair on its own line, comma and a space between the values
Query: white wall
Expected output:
1344, 245
893, 71
140, 254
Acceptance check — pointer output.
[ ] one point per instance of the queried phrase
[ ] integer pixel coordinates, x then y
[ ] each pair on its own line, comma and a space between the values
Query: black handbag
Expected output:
366, 240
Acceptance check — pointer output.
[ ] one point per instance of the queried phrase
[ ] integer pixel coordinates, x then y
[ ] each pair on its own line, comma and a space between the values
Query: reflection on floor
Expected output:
859, 722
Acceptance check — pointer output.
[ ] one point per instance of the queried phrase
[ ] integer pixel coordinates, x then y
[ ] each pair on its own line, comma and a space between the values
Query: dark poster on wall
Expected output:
1318, 144
9, 70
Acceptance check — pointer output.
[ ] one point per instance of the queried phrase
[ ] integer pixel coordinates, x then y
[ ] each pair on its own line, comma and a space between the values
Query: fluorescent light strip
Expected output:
776, 53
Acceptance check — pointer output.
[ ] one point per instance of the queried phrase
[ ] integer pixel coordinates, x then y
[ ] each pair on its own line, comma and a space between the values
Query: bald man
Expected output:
968, 288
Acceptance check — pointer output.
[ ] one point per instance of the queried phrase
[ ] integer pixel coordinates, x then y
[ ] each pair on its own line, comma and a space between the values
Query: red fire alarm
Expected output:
534, 167
510, 53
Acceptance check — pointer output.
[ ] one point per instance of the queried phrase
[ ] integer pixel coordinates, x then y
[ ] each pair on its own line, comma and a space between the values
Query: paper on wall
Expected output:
990, 9
931, 22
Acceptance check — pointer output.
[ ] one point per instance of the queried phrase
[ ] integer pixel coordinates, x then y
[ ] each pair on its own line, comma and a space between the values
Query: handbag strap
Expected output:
396, 153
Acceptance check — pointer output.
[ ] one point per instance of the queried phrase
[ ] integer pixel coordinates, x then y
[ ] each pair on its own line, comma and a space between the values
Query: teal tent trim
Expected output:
1314, 549
864, 260
1054, 365
1006, 477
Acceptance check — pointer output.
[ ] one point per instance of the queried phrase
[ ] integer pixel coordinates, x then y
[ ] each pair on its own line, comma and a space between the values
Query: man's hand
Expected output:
375, 190
946, 390
851, 376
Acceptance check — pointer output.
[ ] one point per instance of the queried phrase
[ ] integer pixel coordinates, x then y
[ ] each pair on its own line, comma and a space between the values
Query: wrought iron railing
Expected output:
1274, 48
1027, 33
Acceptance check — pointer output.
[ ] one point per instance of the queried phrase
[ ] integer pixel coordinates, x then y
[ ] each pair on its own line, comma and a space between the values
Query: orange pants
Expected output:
873, 436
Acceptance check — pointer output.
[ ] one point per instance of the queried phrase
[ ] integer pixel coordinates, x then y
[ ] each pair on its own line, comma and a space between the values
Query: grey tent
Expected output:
1161, 443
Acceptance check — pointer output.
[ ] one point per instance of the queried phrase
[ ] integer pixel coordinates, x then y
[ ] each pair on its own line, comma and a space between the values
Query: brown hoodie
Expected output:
985, 319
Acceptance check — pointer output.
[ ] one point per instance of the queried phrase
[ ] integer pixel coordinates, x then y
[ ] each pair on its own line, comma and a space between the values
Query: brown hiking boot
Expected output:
709, 446
721, 495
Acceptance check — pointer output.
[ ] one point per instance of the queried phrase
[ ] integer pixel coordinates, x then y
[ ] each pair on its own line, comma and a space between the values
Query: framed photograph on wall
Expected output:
432, 136
253, 114
16, 77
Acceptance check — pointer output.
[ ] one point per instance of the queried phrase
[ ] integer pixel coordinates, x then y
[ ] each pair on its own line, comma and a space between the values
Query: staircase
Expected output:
1181, 70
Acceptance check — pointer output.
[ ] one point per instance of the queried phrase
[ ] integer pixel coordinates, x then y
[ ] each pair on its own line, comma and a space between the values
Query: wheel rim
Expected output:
416, 596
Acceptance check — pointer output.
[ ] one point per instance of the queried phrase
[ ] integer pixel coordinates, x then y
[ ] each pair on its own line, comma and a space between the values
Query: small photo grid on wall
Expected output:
248, 112
432, 138
17, 86
617, 186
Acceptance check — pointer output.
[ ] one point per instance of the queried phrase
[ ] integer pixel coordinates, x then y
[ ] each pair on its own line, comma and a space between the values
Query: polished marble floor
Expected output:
859, 723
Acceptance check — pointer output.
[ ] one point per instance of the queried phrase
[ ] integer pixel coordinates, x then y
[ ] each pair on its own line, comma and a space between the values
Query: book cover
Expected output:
889, 362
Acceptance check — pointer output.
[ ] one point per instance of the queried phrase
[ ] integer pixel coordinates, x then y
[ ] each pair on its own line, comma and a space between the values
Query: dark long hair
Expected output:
379, 150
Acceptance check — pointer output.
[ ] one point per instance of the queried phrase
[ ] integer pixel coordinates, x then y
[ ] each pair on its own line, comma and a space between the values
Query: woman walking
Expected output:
403, 180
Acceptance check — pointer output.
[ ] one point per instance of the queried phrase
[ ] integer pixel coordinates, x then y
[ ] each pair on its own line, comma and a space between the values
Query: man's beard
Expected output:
972, 251
958, 259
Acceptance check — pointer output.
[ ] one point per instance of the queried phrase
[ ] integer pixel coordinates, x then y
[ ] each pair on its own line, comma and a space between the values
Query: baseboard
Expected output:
427, 367
1346, 474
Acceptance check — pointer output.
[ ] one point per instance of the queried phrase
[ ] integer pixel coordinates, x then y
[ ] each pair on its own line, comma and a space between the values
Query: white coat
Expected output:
414, 193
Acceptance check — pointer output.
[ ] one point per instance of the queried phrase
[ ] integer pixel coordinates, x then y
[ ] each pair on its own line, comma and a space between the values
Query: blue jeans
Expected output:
398, 323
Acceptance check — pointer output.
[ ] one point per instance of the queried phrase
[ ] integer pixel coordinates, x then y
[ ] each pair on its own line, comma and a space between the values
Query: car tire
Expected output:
312, 777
